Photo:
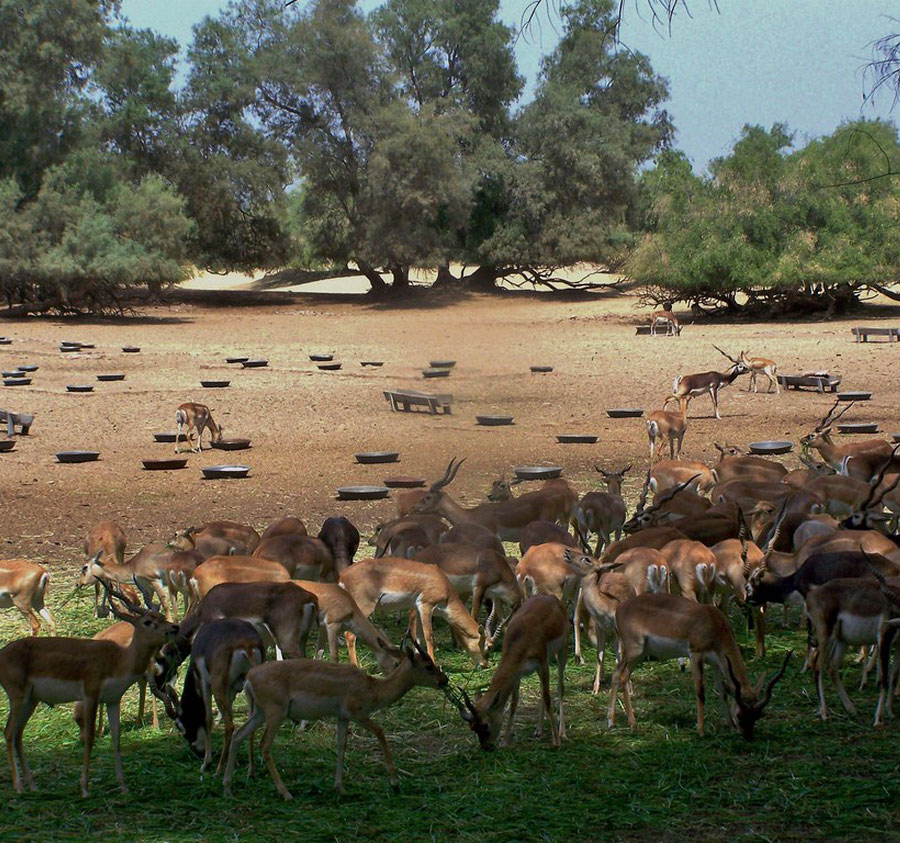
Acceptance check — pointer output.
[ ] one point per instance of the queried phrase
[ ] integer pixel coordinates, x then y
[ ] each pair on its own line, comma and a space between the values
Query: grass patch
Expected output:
800, 778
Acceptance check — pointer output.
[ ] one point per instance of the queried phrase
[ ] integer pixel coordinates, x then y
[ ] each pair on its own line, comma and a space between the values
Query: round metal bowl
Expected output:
404, 481
164, 465
329, 367
77, 456
215, 384
236, 359
164, 437
373, 363
222, 471
576, 438
14, 373
538, 472
625, 413
27, 368
232, 444
493, 421
372, 457
362, 493
541, 368
854, 396
442, 364
859, 427
70, 344
255, 364
773, 447
80, 388
5, 341
118, 376
131, 349
436, 373
67, 348
321, 358
9, 444
88, 345
16, 381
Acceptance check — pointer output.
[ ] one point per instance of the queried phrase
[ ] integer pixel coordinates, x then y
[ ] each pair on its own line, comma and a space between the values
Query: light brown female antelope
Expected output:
662, 425
191, 416
24, 585
761, 365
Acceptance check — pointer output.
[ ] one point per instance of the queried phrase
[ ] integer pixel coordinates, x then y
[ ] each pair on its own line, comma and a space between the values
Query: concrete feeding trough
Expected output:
859, 427
27, 368
164, 437
255, 364
539, 369
321, 358
372, 363
329, 367
236, 359
131, 349
16, 381
442, 364
854, 396
436, 373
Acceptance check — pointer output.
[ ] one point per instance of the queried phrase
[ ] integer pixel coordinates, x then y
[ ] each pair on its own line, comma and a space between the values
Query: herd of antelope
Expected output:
658, 582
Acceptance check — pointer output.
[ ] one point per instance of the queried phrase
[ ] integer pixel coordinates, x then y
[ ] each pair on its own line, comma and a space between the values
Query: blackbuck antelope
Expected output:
235, 569
303, 557
222, 653
389, 584
432, 526
664, 626
537, 633
109, 539
190, 417
206, 546
685, 387
237, 535
506, 518
881, 491
852, 612
58, 670
835, 455
311, 690
667, 319
663, 425
739, 466
341, 538
603, 513
692, 569
547, 569
541, 532
761, 366
289, 525
670, 473
23, 585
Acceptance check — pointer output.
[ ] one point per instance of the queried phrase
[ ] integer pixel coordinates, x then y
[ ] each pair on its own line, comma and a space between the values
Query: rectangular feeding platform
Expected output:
822, 382
404, 400
862, 333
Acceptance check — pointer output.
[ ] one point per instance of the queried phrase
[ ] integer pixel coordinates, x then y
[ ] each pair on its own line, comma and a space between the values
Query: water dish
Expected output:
16, 381
27, 368
404, 481
771, 447
371, 362
854, 396
576, 438
329, 367
164, 437
538, 472
80, 388
859, 427
131, 349
223, 471
321, 358
625, 413
116, 376
77, 456
493, 421
215, 384
362, 493
236, 359
232, 444
9, 444
442, 364
255, 364
372, 457
436, 373
541, 368
164, 465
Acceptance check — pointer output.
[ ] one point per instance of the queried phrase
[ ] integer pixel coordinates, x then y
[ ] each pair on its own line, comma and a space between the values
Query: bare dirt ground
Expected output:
306, 425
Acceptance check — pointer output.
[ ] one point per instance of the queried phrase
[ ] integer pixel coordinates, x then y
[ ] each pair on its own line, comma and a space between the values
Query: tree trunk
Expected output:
400, 274
373, 277
444, 276
483, 278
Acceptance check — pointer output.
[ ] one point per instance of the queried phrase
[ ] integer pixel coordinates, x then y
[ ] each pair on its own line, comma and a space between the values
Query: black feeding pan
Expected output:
27, 368
859, 427
131, 349
164, 437
493, 421
538, 472
442, 364
223, 471
541, 368
372, 457
16, 381
371, 363
854, 396
9, 444
80, 388
362, 493
215, 384
13, 373
255, 364
576, 438
70, 344
236, 359
67, 348
321, 358
115, 376
436, 373
404, 481
625, 413
329, 367
232, 444
164, 465
5, 341
77, 456
772, 447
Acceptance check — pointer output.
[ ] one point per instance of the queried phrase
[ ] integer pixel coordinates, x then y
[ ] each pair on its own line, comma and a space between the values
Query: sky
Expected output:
757, 62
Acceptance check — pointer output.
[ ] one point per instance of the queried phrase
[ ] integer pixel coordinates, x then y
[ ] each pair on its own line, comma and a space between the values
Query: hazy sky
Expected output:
754, 61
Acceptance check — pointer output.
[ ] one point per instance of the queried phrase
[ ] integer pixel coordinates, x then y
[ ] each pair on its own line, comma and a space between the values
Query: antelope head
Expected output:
737, 365
501, 490
727, 450
183, 540
432, 498
654, 515
614, 479
88, 576
745, 708
823, 429
870, 516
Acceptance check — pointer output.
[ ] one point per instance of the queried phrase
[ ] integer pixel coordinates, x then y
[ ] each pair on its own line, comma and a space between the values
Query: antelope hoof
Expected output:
579, 659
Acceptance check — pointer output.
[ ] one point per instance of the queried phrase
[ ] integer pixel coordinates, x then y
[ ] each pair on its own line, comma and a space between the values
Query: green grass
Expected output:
800, 778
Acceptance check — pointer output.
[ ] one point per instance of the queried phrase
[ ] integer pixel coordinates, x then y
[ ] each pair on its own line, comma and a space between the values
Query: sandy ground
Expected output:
306, 425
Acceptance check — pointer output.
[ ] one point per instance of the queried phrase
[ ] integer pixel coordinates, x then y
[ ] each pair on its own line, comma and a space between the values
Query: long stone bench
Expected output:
862, 333
404, 400
21, 420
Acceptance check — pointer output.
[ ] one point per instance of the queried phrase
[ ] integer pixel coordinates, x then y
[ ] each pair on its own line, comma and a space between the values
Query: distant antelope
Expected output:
761, 365
197, 417
685, 387
665, 424
667, 318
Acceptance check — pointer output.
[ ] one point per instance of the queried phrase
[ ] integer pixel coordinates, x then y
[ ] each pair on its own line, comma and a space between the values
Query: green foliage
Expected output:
775, 228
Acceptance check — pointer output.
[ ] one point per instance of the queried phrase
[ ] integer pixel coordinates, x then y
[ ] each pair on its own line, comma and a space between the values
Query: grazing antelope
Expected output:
545, 569
311, 690
603, 513
685, 387
645, 570
390, 583
222, 653
692, 569
57, 670
761, 365
667, 318
480, 536
341, 538
541, 532
670, 473
235, 569
238, 535
664, 626
537, 633
734, 465
289, 525
653, 537
110, 539
303, 557
868, 514
431, 525
206, 546
854, 612
665, 424
197, 417
23, 585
